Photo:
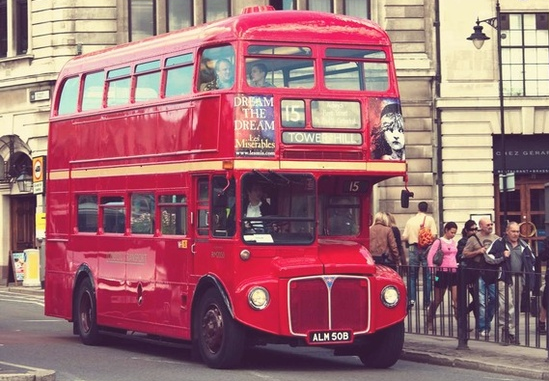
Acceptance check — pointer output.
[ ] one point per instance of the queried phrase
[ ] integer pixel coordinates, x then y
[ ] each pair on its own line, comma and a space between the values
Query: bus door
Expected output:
173, 261
213, 225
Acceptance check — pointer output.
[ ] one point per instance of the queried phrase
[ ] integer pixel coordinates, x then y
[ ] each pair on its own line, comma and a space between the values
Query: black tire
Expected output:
85, 314
220, 339
385, 348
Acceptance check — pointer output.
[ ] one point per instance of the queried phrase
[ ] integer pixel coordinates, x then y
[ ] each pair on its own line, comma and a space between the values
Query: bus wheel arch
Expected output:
85, 311
218, 339
385, 348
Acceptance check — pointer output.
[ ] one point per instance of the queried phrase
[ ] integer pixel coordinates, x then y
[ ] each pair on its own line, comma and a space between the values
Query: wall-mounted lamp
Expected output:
24, 181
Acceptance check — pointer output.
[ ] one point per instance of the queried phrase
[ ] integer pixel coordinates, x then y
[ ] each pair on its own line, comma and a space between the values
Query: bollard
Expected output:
32, 268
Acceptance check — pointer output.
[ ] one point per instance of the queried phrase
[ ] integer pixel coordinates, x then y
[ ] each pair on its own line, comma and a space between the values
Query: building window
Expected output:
15, 40
320, 5
357, 8
142, 19
525, 54
179, 14
216, 9
283, 4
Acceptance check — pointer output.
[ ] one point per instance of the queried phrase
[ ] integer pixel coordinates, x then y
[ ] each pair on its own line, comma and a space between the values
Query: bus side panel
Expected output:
171, 290
174, 128
59, 278
59, 281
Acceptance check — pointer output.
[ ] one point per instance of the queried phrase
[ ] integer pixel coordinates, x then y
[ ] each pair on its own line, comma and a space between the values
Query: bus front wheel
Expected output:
385, 348
86, 314
220, 339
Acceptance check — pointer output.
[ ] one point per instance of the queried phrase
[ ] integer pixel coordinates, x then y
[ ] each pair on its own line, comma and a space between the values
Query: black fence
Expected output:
507, 313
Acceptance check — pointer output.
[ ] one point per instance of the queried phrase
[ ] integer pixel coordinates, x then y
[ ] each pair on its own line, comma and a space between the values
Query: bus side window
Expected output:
114, 214
173, 214
92, 98
142, 217
178, 81
118, 82
216, 68
179, 74
88, 211
68, 101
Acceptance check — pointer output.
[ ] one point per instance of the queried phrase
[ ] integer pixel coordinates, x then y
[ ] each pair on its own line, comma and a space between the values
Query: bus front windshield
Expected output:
278, 208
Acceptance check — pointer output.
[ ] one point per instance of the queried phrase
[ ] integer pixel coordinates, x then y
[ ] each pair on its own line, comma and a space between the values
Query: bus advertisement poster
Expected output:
254, 125
18, 263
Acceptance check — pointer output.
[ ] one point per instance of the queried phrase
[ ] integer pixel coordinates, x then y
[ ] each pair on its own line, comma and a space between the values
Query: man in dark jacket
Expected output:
517, 270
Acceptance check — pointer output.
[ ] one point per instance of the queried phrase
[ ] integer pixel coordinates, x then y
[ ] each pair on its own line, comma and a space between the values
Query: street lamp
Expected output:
478, 38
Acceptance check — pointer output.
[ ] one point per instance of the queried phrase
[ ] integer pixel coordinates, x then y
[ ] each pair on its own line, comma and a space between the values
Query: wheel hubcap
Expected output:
212, 329
85, 312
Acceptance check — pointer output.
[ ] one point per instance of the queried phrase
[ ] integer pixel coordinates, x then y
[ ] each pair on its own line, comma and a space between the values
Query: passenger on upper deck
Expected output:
223, 76
258, 72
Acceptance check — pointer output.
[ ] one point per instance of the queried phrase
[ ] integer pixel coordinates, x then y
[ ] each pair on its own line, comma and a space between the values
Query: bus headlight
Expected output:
258, 298
390, 296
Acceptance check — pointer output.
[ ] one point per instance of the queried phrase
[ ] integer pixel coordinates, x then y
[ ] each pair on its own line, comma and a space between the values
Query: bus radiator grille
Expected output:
329, 303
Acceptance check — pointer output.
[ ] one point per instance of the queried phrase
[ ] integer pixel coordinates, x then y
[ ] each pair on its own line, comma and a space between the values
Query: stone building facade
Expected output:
449, 94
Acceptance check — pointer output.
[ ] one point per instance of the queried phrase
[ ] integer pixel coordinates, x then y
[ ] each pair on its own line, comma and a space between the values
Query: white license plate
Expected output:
330, 337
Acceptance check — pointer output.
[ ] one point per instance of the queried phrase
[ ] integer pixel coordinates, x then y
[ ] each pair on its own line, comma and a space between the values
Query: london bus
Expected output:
150, 173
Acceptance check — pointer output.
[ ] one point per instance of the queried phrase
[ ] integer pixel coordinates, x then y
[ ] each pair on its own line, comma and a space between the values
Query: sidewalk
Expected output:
484, 356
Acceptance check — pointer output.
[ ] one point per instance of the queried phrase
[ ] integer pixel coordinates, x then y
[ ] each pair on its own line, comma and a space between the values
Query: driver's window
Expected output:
256, 202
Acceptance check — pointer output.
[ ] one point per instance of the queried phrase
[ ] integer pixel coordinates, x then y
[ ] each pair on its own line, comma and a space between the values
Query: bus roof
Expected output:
286, 26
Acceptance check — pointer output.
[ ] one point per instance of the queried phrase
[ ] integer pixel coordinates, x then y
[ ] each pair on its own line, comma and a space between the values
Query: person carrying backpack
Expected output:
417, 256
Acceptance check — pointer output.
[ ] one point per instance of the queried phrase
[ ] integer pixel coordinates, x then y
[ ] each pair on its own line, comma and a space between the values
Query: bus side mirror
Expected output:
405, 195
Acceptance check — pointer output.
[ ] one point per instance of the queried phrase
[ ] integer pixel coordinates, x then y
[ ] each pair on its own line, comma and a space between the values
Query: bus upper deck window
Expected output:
119, 86
179, 73
356, 69
216, 68
92, 98
69, 96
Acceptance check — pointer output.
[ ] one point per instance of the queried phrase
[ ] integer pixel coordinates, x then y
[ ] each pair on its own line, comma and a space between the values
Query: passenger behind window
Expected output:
207, 71
223, 76
257, 76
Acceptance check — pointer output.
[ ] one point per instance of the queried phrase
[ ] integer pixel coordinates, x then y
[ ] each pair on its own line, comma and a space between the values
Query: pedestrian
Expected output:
398, 238
416, 255
383, 245
477, 245
517, 271
446, 273
470, 274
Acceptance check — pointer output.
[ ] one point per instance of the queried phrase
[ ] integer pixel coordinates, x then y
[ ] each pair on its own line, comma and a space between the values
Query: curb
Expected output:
429, 358
14, 372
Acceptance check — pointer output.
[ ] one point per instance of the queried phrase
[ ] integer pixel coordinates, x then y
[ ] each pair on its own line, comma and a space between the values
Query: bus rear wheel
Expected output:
86, 314
385, 348
220, 339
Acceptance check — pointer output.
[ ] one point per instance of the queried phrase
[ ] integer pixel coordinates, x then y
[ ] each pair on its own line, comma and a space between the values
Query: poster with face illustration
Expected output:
386, 129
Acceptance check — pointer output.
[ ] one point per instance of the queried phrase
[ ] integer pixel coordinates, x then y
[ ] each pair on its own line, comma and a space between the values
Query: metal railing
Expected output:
479, 311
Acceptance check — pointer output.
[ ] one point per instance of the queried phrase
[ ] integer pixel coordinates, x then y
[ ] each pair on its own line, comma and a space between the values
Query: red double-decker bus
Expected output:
214, 185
